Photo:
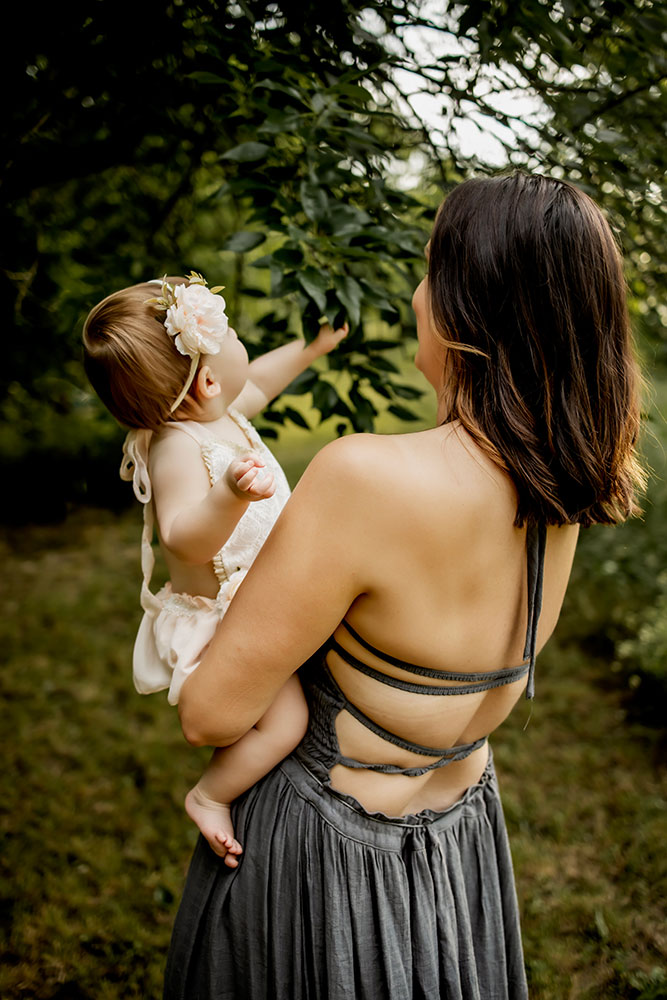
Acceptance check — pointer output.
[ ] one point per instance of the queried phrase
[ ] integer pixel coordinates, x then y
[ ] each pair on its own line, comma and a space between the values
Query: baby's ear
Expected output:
206, 386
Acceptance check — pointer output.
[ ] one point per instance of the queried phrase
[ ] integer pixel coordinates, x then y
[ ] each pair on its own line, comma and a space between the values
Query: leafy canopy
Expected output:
270, 145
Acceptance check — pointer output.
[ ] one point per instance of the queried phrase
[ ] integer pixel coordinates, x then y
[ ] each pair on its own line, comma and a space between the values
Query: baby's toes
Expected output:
224, 839
216, 846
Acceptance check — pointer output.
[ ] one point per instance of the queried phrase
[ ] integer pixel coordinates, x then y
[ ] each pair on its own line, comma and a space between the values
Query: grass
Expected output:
96, 843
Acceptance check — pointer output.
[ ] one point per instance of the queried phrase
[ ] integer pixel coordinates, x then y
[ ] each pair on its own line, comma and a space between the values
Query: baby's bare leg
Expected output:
233, 769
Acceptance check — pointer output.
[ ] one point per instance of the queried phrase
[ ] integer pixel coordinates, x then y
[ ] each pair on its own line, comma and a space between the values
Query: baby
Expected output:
166, 363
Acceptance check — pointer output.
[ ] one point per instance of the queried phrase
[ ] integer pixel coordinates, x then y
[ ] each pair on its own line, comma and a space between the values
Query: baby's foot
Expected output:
214, 819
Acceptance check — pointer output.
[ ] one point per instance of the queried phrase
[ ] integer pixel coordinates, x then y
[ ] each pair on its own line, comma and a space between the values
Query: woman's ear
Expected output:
206, 385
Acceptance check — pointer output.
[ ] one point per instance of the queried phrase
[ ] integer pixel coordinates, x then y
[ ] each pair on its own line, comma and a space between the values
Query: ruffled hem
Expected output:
174, 634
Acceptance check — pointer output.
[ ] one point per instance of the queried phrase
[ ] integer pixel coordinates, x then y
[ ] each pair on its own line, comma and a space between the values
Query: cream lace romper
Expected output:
177, 627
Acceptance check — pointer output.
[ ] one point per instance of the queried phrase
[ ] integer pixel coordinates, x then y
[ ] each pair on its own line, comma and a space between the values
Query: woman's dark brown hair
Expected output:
527, 293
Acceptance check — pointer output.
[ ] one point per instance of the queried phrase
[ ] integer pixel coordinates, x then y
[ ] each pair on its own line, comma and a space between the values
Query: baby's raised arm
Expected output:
272, 372
194, 518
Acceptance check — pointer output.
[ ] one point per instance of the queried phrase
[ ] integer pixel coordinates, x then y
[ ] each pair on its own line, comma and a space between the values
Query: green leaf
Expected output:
303, 383
315, 284
243, 241
314, 200
364, 411
325, 398
296, 417
247, 152
390, 315
407, 391
350, 294
380, 389
263, 262
203, 76
402, 413
290, 256
378, 344
346, 220
384, 364
354, 91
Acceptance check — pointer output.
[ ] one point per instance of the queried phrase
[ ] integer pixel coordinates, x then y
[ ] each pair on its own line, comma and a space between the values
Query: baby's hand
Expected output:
328, 338
249, 478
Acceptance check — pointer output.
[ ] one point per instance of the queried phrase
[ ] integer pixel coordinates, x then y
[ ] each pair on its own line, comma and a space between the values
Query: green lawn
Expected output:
96, 843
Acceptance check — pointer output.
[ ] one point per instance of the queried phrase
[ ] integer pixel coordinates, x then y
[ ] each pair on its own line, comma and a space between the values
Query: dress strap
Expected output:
192, 429
134, 468
394, 660
467, 683
536, 543
446, 755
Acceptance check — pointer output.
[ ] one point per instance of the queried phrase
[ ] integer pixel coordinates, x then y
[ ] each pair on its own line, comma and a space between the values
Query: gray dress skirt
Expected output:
331, 902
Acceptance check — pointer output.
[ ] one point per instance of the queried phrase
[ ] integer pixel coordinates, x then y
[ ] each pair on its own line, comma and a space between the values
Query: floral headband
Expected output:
195, 318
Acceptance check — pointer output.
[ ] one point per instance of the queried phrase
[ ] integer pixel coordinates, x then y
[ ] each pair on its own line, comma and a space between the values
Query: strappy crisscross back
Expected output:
329, 699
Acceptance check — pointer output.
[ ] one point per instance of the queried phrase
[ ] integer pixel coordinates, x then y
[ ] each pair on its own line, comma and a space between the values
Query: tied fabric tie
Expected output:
134, 468
134, 465
536, 542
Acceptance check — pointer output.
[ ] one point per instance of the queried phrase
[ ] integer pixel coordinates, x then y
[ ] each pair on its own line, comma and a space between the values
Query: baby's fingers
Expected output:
257, 484
263, 485
240, 473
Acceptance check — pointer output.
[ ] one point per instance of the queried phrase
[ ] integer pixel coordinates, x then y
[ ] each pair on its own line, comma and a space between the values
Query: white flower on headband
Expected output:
195, 318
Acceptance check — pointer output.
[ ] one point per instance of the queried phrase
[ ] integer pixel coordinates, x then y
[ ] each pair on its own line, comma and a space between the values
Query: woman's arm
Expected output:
272, 372
308, 573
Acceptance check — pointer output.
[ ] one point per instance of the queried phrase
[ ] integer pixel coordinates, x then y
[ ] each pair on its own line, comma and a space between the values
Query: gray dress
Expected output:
331, 902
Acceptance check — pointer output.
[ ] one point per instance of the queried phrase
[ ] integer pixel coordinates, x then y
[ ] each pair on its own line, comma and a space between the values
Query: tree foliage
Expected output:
575, 88
267, 144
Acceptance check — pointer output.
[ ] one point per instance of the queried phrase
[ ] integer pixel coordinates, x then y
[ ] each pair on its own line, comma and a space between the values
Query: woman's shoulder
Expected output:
361, 455
442, 466
395, 454
369, 465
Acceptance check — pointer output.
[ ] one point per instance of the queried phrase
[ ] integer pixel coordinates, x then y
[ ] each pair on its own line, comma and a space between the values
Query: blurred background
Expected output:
295, 153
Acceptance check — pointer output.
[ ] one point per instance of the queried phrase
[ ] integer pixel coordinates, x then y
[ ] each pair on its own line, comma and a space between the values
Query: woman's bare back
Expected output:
447, 590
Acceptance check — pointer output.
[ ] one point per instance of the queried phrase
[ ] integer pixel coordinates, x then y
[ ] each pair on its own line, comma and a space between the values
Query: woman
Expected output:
418, 575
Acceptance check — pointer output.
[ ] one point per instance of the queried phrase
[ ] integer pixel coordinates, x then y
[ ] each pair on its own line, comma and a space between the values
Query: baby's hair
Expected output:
130, 359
